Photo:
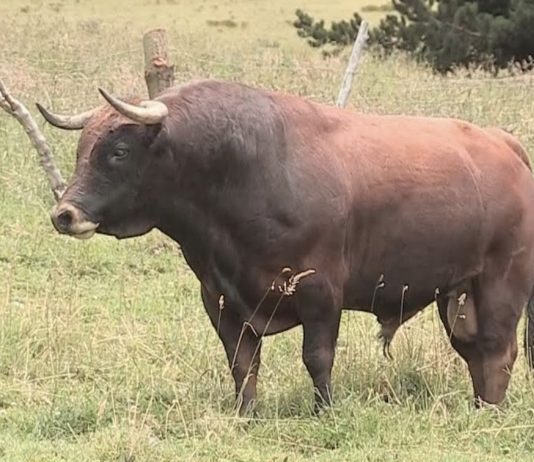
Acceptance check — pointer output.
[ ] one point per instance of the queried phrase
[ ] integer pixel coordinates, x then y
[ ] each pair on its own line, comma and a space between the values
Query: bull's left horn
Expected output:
148, 112
71, 122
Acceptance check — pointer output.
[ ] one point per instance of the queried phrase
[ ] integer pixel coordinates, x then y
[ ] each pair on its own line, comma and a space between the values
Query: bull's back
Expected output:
438, 179
432, 196
512, 142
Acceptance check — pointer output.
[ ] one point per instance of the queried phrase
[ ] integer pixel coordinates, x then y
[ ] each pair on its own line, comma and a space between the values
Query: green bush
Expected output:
445, 33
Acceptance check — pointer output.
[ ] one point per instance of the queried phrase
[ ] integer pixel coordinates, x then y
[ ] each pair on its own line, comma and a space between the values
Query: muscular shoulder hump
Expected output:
512, 142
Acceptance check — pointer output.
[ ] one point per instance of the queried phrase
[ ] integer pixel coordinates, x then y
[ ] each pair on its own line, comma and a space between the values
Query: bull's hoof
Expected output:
483, 405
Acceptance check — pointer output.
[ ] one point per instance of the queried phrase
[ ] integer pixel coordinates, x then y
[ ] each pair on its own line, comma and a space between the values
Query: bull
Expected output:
378, 213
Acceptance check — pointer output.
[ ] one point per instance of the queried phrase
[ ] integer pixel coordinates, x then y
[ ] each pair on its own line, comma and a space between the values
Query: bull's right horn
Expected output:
74, 122
147, 112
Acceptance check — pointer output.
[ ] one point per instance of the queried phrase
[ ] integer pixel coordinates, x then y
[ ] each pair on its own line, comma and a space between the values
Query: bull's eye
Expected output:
120, 153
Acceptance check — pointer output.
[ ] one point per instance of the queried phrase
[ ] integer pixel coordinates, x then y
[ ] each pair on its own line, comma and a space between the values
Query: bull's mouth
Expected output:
83, 230
86, 230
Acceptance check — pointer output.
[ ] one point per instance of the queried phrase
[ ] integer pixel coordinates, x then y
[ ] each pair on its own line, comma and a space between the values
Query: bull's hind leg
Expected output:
466, 348
499, 303
242, 347
481, 320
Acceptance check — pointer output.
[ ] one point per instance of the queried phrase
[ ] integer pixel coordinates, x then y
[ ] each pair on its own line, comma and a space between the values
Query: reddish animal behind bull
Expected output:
392, 213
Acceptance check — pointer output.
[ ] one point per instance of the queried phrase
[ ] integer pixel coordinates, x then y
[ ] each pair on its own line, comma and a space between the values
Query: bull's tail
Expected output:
529, 333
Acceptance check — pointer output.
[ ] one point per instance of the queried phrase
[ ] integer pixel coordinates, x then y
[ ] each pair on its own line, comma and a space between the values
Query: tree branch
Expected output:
15, 108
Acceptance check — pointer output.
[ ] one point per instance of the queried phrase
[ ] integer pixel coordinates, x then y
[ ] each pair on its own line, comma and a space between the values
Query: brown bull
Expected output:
384, 214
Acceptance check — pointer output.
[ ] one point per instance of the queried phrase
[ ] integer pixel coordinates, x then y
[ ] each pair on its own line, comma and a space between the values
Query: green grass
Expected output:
105, 351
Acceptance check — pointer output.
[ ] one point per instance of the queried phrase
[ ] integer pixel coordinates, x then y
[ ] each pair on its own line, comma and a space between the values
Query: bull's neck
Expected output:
222, 170
203, 194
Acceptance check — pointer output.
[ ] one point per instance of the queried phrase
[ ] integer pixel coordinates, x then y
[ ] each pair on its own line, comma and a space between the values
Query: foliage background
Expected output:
447, 34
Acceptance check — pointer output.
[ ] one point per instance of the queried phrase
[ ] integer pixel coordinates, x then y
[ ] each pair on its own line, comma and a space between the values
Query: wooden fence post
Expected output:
159, 74
355, 56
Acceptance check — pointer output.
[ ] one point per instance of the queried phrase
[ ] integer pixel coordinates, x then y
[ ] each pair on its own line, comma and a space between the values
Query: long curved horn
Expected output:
74, 122
148, 112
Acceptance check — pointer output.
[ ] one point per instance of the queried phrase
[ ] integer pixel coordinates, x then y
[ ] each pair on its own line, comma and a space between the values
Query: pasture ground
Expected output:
105, 351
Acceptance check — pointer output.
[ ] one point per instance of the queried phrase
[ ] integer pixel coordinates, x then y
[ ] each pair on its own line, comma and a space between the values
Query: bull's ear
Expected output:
155, 136
152, 133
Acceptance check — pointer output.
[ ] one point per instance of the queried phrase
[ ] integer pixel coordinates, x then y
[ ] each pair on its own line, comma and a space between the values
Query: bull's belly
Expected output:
402, 285
401, 261
392, 303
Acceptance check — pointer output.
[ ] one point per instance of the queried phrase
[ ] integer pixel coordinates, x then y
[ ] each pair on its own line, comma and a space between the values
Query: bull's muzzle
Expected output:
68, 219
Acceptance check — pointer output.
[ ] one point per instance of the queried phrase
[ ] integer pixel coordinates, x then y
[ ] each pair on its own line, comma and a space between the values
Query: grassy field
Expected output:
105, 351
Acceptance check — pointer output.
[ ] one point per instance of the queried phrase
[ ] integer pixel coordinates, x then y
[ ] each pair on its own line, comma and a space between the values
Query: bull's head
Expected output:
115, 169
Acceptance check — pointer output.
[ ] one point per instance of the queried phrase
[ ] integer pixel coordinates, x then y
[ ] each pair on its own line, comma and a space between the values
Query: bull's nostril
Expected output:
64, 220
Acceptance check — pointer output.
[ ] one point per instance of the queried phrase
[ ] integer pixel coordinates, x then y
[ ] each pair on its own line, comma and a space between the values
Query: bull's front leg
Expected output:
320, 313
242, 347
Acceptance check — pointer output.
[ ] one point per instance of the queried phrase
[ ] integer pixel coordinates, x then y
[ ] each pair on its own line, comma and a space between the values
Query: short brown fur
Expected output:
392, 213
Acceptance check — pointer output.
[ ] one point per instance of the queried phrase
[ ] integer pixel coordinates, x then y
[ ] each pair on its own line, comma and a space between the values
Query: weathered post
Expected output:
159, 74
354, 60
